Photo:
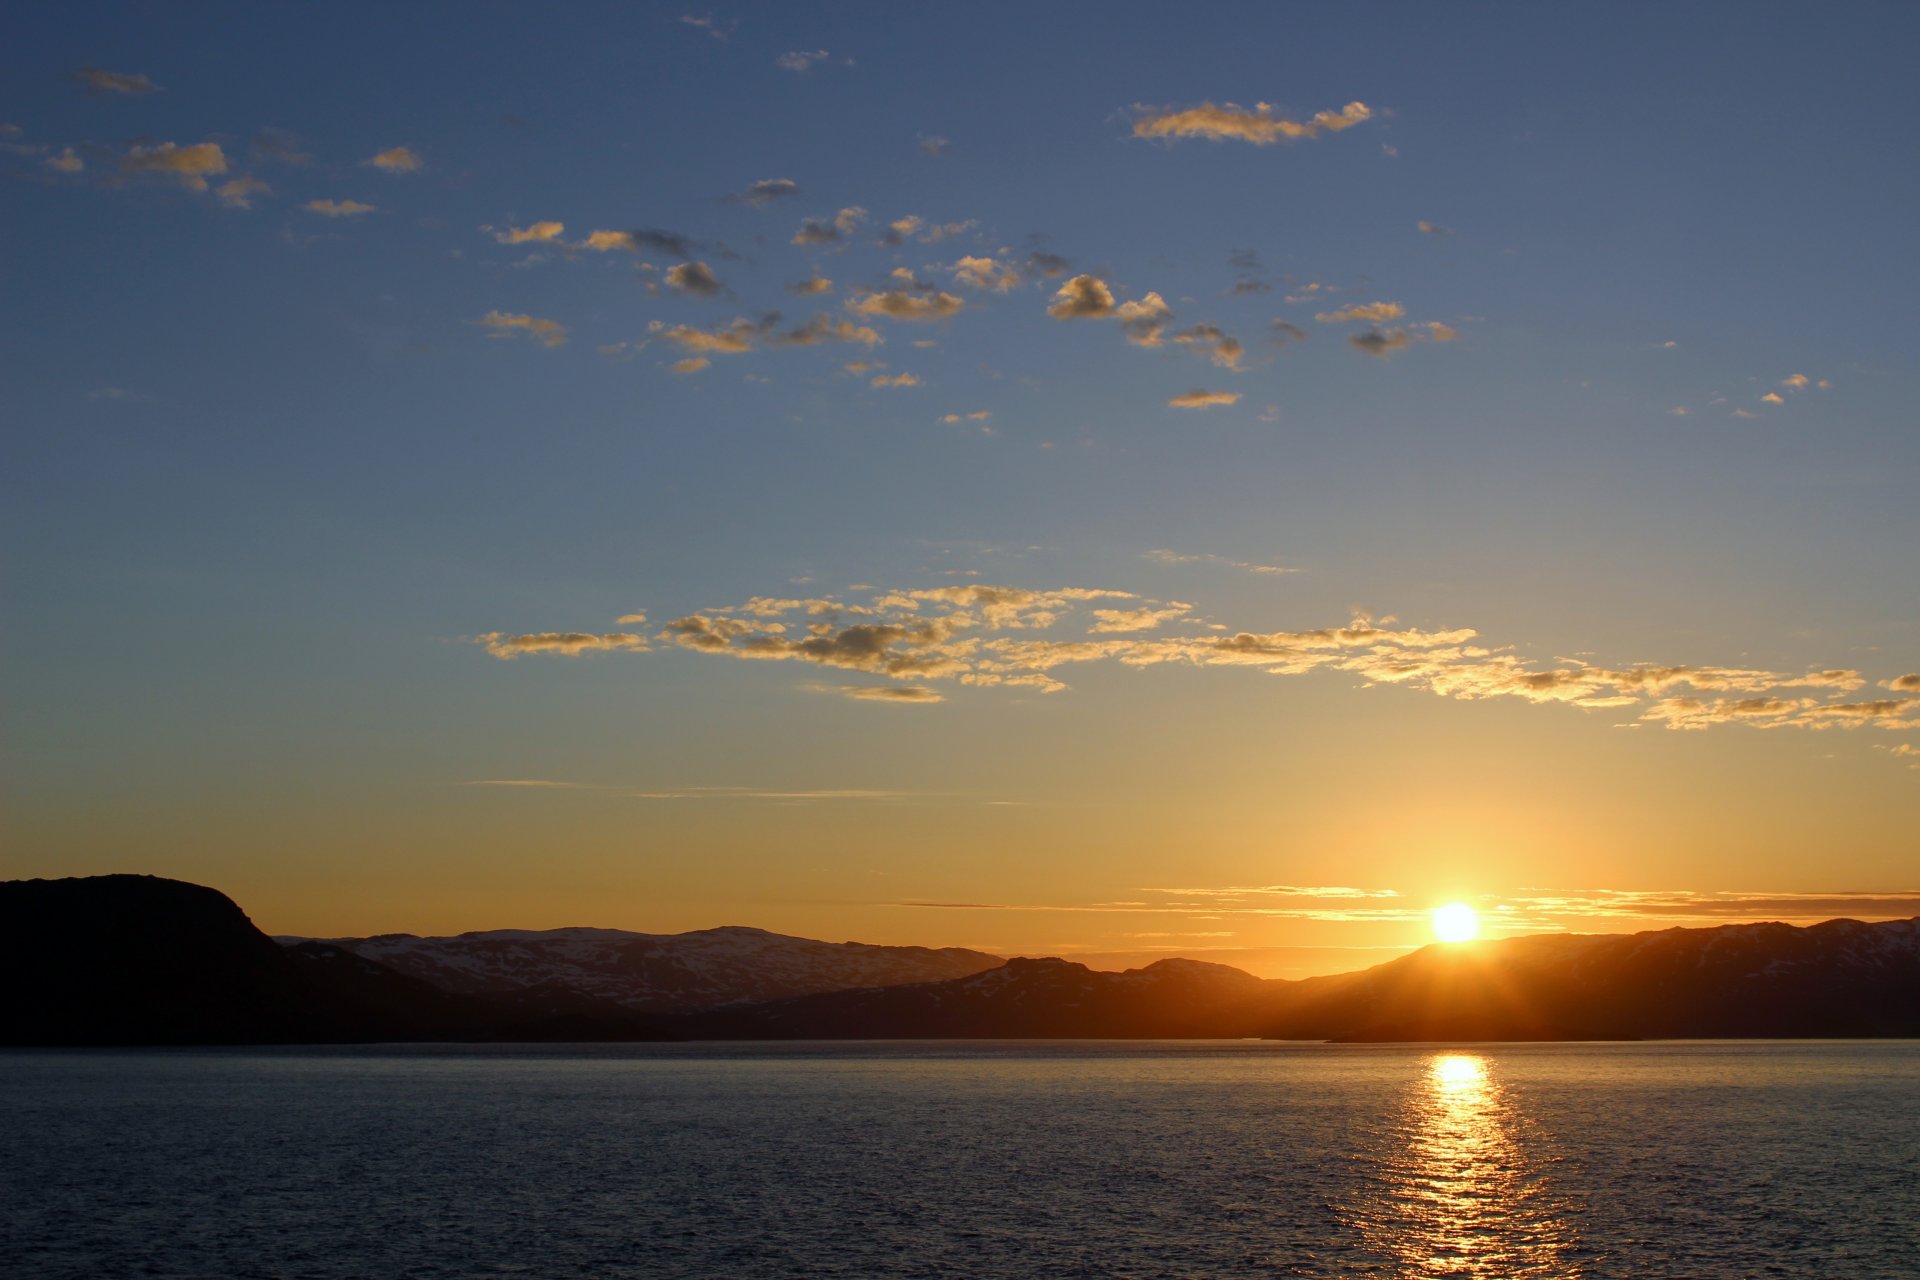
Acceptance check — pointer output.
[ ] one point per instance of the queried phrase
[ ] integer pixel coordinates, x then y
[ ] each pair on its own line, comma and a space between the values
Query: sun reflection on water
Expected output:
1462, 1194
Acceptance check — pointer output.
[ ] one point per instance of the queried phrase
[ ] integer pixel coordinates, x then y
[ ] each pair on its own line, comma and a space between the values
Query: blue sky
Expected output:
288, 439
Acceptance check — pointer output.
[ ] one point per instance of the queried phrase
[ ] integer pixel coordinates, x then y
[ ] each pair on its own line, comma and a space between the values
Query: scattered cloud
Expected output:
1083, 297
238, 193
96, 80
1372, 312
1203, 399
337, 208
1375, 342
1210, 341
1434, 229
505, 324
709, 25
1797, 382
766, 191
1773, 397
190, 166
816, 232
569, 644
898, 694
694, 278
812, 285
1909, 683
538, 233
66, 161
897, 380
671, 243
801, 60
989, 275
692, 364
978, 415
933, 146
1120, 620
1163, 556
1284, 333
395, 160
1260, 125
903, 304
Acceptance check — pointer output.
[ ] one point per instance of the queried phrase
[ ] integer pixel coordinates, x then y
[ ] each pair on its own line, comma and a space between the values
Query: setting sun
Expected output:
1455, 922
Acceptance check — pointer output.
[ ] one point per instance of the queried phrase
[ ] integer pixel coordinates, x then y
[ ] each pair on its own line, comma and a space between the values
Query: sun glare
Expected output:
1455, 922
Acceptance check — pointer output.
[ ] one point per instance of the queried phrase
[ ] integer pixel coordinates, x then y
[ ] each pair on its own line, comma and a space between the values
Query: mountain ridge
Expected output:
141, 960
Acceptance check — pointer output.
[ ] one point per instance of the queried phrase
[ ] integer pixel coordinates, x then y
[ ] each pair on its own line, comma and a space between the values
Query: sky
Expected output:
1090, 480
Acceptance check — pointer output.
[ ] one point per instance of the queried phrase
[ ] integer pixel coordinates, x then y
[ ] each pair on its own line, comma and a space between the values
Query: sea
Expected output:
965, 1159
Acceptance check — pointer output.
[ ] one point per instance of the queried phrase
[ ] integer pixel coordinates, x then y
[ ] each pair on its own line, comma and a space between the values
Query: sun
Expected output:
1455, 922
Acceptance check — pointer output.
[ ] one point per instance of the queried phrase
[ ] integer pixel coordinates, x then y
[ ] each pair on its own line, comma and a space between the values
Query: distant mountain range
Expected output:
658, 973
141, 960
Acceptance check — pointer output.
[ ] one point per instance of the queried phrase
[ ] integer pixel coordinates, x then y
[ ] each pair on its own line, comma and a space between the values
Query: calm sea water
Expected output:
965, 1160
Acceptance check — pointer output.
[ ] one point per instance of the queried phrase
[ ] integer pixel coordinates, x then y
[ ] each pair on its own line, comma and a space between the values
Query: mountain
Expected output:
1023, 998
650, 973
1840, 978
141, 960
128, 959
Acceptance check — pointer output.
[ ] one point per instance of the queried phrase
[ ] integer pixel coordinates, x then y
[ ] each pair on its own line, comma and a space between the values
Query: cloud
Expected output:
538, 233
1283, 333
1773, 397
708, 25
1374, 342
692, 364
671, 243
1142, 320
1259, 126
1203, 399
989, 275
898, 694
933, 146
1797, 382
191, 166
990, 636
504, 324
902, 304
695, 278
98, 81
821, 231
395, 160
811, 285
238, 193
1372, 312
801, 60
978, 415
1164, 556
337, 208
766, 191
569, 644
1117, 620
1046, 265
897, 380
1210, 341
66, 162
1083, 297
736, 338
1909, 683
1434, 229
824, 328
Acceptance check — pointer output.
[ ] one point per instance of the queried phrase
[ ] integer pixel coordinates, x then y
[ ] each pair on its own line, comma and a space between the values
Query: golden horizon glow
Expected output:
1455, 922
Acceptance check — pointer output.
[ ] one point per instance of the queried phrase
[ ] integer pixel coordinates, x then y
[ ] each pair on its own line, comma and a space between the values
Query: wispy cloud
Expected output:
337, 208
190, 166
395, 160
766, 191
1204, 399
1163, 556
1260, 125
239, 193
801, 60
567, 643
695, 278
130, 84
536, 233
505, 324
670, 243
